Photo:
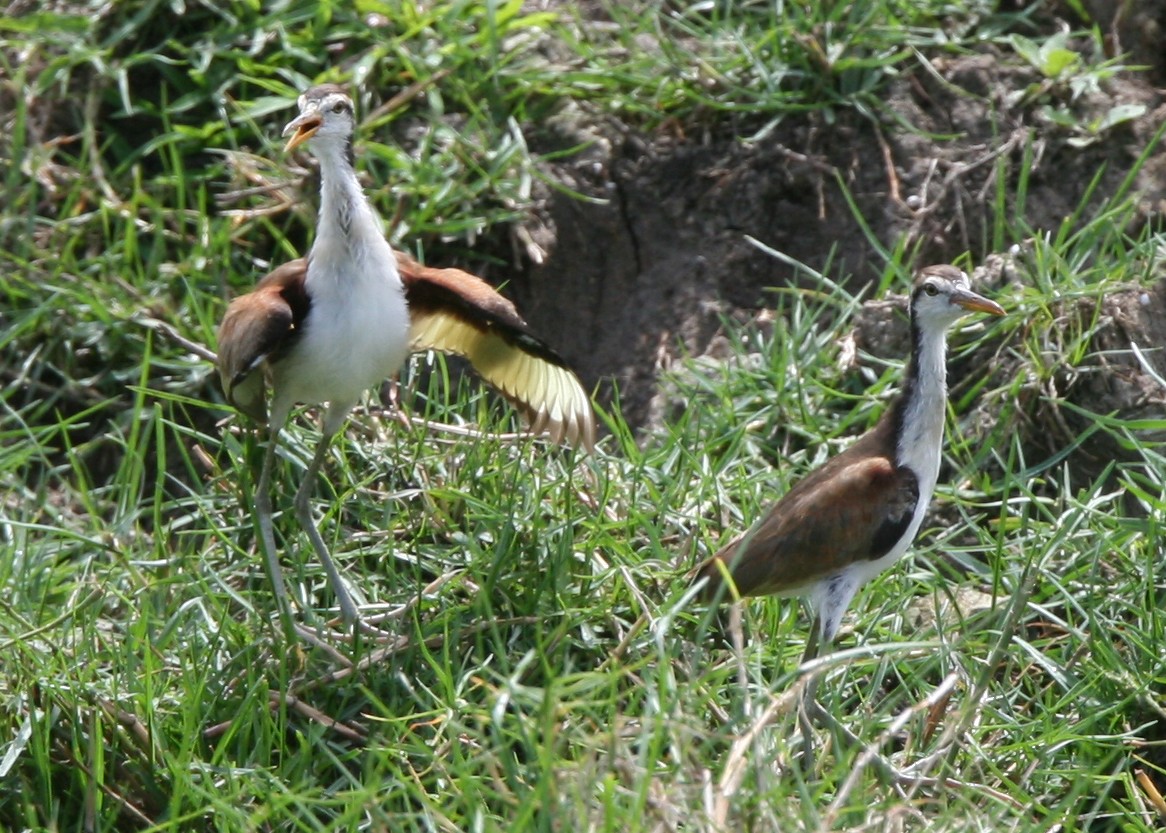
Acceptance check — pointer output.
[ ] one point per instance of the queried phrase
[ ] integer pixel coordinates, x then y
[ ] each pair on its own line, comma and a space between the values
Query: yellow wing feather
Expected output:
551, 397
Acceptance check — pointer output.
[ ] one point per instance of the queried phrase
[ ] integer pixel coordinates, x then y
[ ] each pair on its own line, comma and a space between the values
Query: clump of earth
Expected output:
651, 268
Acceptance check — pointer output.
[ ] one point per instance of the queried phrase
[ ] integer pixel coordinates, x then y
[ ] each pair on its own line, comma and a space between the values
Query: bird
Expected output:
324, 328
857, 514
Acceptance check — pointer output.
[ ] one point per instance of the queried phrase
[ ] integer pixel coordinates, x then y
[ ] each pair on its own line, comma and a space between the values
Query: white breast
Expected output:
357, 331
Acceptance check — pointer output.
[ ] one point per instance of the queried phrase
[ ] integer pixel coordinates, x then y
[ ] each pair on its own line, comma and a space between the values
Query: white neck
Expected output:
349, 233
920, 440
357, 330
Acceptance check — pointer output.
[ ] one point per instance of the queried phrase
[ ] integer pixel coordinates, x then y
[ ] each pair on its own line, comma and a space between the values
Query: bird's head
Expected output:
943, 294
326, 115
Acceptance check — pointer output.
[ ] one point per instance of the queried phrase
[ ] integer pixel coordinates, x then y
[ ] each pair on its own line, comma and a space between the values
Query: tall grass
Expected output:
550, 669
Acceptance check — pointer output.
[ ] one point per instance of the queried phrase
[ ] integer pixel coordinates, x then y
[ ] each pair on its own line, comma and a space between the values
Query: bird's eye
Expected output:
338, 107
931, 289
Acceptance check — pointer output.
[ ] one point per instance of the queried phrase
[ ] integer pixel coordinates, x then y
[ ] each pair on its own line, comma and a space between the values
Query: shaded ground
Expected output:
646, 272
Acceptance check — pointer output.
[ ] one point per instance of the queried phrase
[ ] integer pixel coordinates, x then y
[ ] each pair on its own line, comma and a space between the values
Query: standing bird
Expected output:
327, 327
853, 517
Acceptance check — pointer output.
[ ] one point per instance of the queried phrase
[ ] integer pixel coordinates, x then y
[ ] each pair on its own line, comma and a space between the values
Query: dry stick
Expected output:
403, 642
26, 637
353, 733
368, 627
264, 189
134, 725
817, 164
434, 427
914, 776
292, 698
889, 165
406, 95
643, 619
401, 610
256, 213
736, 762
956, 171
1151, 792
947, 745
159, 326
309, 636
616, 654
122, 802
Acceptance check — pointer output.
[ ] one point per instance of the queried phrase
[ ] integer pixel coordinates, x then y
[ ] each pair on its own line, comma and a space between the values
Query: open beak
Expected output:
977, 303
301, 128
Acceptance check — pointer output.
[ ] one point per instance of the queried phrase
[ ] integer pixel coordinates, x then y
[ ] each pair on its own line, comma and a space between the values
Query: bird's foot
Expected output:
812, 712
335, 635
355, 623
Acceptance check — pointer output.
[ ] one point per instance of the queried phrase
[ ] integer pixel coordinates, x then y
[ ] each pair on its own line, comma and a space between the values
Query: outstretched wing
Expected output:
455, 312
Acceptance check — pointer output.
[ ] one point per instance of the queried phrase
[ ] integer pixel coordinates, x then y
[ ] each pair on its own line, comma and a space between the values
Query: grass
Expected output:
551, 671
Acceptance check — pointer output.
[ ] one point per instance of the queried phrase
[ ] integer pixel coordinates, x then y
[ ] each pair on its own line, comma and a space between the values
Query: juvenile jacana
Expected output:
857, 514
325, 328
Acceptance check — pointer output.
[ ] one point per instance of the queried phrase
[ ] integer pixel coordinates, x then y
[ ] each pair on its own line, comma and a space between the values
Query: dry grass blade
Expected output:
737, 761
1151, 792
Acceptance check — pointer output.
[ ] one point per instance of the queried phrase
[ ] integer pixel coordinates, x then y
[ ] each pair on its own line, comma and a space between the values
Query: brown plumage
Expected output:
450, 311
852, 517
853, 508
326, 328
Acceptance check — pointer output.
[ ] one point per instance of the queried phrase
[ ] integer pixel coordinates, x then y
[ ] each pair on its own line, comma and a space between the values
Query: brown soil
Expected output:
648, 271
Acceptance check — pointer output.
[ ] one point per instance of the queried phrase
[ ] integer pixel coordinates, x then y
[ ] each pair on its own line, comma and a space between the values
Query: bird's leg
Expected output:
809, 709
344, 600
267, 533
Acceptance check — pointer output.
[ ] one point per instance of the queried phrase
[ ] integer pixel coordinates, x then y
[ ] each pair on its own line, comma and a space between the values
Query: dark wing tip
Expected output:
459, 313
247, 393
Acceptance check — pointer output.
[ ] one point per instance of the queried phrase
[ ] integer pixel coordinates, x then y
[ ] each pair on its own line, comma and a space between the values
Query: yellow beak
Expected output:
977, 303
302, 128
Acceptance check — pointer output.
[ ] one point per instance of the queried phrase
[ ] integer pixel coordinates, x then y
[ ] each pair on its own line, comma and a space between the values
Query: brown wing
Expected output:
455, 312
258, 327
854, 508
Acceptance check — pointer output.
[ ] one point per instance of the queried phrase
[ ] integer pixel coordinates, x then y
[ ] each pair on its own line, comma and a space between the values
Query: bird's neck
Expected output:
920, 412
349, 237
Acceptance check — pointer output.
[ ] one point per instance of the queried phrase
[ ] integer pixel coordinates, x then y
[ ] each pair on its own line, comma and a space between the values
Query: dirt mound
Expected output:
646, 270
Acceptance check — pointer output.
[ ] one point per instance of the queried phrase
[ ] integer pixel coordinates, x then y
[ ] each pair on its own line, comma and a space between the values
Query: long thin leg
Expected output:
344, 600
267, 534
809, 709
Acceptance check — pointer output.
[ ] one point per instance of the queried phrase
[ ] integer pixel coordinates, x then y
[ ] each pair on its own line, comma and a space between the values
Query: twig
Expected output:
1151, 791
264, 189
403, 642
253, 213
406, 95
956, 171
353, 733
159, 326
436, 427
816, 164
889, 165
133, 723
